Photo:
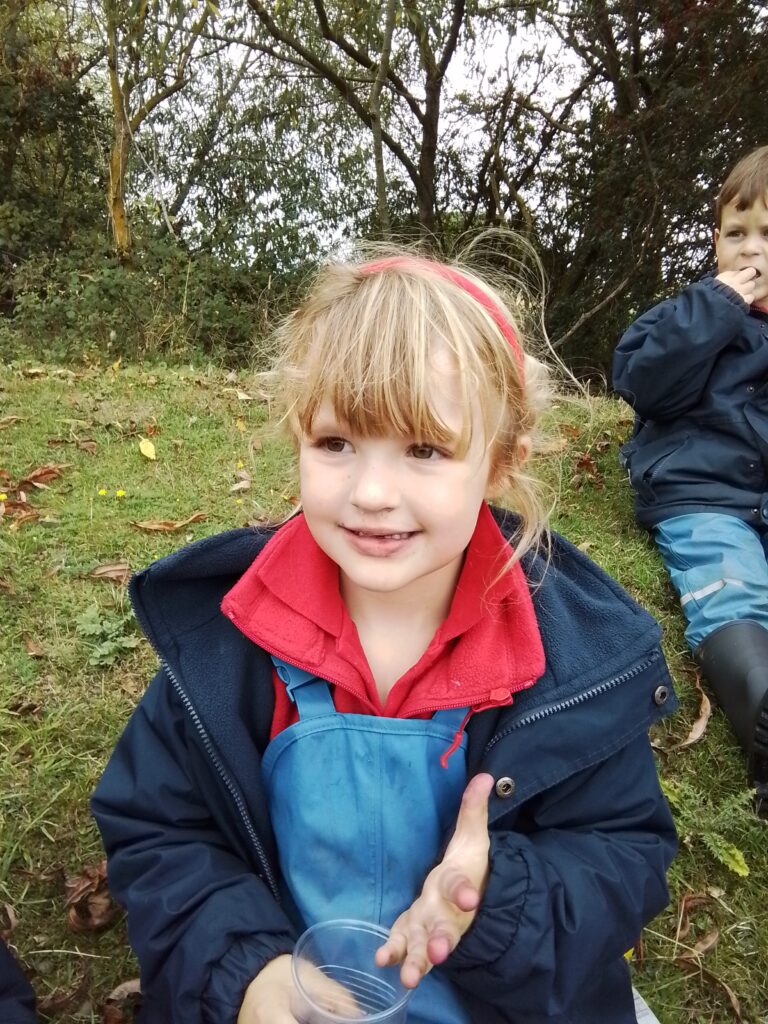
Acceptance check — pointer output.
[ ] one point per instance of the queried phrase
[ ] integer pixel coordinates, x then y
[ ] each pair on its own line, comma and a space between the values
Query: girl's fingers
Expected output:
441, 944
416, 963
331, 996
394, 949
473, 812
462, 893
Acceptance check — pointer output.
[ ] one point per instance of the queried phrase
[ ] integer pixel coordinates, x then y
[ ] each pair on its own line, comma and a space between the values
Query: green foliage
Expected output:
83, 304
109, 636
701, 820
50, 131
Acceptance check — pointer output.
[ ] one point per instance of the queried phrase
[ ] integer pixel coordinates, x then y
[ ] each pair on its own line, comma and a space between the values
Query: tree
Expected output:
151, 53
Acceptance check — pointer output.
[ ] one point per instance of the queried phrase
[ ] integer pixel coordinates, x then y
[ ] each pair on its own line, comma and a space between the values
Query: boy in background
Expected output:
695, 370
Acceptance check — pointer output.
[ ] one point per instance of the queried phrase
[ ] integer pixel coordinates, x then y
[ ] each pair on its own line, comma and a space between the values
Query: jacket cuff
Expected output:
225, 991
494, 929
729, 293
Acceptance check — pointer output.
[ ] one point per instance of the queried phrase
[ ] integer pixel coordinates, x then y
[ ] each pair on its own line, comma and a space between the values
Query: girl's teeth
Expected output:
384, 536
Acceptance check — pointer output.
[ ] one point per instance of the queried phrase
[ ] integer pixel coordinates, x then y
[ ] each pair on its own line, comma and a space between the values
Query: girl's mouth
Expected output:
369, 542
381, 536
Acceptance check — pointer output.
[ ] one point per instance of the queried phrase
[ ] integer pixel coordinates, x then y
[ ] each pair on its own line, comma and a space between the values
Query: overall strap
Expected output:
453, 718
308, 692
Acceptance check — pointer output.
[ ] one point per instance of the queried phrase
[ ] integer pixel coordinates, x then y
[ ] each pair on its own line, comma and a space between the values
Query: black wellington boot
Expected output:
734, 662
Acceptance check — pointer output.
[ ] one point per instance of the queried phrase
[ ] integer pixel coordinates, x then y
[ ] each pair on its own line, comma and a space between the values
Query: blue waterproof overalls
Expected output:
360, 807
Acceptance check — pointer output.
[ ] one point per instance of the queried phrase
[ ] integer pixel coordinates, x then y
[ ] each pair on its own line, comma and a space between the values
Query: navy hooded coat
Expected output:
695, 370
581, 837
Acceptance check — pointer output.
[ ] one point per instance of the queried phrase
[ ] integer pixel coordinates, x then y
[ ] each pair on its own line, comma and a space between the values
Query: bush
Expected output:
83, 304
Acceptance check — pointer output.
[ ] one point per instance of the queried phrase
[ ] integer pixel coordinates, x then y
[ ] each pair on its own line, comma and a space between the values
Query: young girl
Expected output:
328, 687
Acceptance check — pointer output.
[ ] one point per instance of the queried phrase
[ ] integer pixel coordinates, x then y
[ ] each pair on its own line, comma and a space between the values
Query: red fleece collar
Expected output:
489, 646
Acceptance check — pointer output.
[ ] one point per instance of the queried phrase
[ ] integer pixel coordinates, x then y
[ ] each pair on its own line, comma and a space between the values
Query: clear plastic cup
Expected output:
335, 977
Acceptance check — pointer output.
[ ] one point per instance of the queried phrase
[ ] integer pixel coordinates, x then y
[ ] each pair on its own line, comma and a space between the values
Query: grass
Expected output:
73, 666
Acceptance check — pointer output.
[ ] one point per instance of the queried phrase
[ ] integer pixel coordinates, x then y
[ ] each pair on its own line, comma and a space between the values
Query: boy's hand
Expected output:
430, 929
742, 281
268, 997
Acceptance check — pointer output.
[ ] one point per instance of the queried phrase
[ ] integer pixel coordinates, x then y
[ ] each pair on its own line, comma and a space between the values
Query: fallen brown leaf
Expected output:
24, 517
17, 506
7, 588
41, 476
89, 902
33, 648
25, 708
704, 944
121, 1003
169, 525
699, 727
34, 371
87, 444
8, 921
694, 967
241, 485
8, 421
691, 901
63, 1002
117, 572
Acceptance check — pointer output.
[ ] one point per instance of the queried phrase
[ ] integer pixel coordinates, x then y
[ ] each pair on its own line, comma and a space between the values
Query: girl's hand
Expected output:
269, 996
430, 929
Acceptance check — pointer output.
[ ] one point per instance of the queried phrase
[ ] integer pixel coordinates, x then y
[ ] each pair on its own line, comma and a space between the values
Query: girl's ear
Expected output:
502, 475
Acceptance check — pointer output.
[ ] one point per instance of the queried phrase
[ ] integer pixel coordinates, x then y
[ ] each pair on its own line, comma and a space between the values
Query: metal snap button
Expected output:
660, 695
750, 388
505, 787
755, 511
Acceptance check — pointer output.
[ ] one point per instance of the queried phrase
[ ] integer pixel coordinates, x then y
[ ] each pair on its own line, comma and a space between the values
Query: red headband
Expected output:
463, 282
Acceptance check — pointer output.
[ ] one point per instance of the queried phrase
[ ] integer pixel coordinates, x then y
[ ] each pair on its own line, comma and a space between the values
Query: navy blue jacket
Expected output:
17, 1000
695, 370
580, 842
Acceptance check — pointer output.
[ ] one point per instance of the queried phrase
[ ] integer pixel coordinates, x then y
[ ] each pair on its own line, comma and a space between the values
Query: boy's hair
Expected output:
363, 339
747, 182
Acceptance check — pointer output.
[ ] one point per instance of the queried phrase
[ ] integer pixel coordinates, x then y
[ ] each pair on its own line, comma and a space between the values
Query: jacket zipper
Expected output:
580, 698
221, 771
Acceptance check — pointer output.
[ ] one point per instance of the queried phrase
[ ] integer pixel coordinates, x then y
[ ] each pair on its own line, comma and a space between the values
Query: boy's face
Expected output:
396, 514
741, 241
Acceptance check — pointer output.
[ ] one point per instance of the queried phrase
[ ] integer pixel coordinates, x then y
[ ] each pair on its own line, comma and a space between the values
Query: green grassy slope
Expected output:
73, 666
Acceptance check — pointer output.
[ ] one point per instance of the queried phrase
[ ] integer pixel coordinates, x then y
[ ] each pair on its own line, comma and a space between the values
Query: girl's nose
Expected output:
374, 486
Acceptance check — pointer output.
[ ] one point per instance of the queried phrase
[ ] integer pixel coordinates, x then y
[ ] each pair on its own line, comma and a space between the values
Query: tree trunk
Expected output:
118, 165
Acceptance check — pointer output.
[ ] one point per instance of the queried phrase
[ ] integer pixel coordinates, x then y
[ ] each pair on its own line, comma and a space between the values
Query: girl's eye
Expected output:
336, 445
424, 452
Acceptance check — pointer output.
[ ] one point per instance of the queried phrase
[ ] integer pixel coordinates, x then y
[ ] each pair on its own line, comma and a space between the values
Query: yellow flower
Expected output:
120, 493
238, 501
3, 497
102, 491
240, 464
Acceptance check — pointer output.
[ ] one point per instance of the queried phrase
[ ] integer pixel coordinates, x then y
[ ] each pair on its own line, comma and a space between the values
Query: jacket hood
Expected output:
590, 627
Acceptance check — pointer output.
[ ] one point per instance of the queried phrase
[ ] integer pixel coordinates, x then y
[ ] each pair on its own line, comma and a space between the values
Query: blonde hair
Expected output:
362, 339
